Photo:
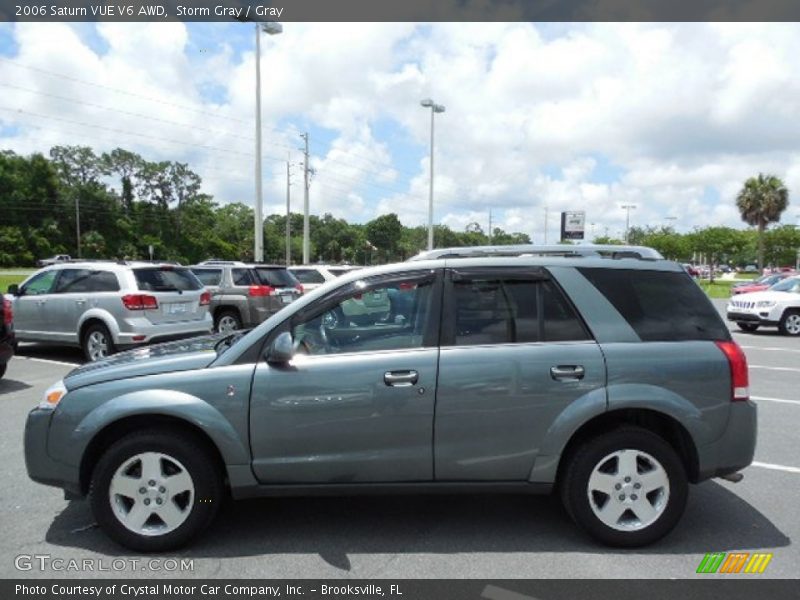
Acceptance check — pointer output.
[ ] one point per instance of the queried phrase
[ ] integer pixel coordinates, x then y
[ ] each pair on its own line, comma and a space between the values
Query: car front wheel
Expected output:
626, 488
153, 491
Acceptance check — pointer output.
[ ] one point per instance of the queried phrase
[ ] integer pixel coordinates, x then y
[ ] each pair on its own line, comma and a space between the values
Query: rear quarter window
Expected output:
660, 306
166, 279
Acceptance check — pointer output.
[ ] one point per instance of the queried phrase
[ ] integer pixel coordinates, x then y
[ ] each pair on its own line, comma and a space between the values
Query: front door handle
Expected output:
400, 378
567, 372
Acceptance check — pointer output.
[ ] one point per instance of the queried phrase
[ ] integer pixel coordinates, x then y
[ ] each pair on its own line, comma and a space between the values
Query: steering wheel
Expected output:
314, 341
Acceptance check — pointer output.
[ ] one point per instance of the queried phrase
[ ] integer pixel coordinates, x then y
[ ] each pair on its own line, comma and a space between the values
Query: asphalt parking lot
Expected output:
426, 536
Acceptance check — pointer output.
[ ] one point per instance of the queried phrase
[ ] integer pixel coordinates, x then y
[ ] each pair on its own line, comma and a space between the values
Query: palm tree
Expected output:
761, 202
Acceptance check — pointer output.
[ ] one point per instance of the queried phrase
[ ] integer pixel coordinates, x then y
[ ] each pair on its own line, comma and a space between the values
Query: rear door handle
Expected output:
400, 378
567, 372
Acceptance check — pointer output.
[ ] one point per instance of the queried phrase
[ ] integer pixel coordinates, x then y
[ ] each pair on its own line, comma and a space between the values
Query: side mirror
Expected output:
281, 351
13, 289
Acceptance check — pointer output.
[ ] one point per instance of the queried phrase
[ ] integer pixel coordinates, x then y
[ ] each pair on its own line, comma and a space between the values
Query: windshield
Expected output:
166, 279
791, 285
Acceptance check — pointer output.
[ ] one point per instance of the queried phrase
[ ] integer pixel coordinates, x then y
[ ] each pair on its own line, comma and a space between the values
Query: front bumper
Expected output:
756, 319
735, 449
40, 466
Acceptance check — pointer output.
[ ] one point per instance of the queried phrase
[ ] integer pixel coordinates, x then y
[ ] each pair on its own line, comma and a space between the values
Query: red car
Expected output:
760, 284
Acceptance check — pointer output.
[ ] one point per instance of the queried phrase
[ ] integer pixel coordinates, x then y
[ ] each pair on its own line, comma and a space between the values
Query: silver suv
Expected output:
106, 306
243, 295
602, 373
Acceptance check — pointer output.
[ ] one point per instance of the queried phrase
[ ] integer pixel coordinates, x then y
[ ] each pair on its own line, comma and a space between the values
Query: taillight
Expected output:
737, 361
140, 302
260, 290
8, 312
299, 287
205, 298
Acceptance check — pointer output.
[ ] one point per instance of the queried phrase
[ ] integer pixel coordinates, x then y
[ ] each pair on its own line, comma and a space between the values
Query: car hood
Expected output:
766, 295
184, 355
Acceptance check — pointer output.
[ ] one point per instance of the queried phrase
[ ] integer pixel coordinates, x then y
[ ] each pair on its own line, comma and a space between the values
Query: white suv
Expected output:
779, 306
313, 276
105, 306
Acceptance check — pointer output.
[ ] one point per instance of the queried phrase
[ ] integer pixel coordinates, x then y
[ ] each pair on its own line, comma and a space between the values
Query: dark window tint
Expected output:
276, 277
308, 276
74, 281
660, 306
242, 277
208, 276
508, 311
166, 279
338, 272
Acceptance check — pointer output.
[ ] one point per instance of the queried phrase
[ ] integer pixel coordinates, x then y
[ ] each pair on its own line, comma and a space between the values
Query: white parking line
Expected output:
775, 368
46, 360
779, 400
773, 467
772, 349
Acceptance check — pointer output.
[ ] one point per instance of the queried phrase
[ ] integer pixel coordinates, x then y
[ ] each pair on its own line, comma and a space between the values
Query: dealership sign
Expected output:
572, 225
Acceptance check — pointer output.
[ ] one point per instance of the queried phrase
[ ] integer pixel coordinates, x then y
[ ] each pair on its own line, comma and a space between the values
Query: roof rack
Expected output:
564, 250
214, 261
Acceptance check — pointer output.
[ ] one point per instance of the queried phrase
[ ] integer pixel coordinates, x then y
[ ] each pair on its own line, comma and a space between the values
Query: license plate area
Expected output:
176, 308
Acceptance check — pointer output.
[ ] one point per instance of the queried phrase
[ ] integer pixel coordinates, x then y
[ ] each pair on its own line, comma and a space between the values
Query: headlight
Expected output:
766, 304
53, 395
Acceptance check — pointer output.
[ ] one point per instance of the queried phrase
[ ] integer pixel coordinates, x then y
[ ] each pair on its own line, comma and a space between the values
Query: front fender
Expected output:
70, 448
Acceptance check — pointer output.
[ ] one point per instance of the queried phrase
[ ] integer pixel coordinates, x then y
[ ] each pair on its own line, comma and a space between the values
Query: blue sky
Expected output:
589, 117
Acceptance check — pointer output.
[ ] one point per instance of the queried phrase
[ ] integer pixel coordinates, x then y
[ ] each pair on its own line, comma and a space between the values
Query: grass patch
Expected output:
7, 279
718, 289
746, 276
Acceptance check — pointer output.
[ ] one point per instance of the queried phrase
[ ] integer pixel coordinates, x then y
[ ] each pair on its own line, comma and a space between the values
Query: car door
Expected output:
31, 320
67, 303
356, 403
514, 356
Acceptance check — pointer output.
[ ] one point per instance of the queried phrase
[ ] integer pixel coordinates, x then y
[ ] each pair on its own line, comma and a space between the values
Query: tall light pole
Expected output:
435, 108
627, 208
271, 28
306, 226
288, 209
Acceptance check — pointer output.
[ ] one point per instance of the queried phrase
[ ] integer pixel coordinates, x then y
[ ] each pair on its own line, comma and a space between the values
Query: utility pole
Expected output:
258, 242
490, 227
288, 210
306, 234
627, 208
545, 223
78, 221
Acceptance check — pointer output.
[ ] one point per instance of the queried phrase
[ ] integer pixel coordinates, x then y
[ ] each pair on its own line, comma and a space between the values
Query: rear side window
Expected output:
659, 306
73, 281
276, 277
242, 277
308, 276
208, 276
166, 279
512, 311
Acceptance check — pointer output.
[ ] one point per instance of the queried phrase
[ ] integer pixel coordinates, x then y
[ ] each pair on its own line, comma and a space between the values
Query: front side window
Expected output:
40, 284
393, 315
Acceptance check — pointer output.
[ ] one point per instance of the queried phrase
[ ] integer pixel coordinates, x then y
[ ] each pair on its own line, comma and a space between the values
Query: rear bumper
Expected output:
40, 466
6, 349
132, 331
735, 449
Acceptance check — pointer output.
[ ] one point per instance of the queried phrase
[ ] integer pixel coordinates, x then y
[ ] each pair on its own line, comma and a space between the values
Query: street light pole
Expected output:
288, 211
306, 225
272, 28
627, 208
435, 108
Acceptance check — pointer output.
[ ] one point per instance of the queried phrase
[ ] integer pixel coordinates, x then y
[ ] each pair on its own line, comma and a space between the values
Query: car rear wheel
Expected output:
626, 488
227, 321
747, 326
97, 342
2, 370
790, 323
153, 491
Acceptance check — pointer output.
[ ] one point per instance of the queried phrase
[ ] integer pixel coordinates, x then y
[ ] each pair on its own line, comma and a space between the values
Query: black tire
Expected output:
789, 323
3, 370
91, 333
227, 315
750, 327
186, 450
574, 485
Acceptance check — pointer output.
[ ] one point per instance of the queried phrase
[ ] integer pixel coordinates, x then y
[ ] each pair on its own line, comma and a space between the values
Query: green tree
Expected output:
761, 201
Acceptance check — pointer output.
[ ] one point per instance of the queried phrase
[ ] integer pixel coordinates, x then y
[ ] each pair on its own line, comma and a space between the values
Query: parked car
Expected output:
54, 260
313, 276
750, 269
7, 338
522, 373
691, 270
779, 306
759, 285
243, 295
105, 306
